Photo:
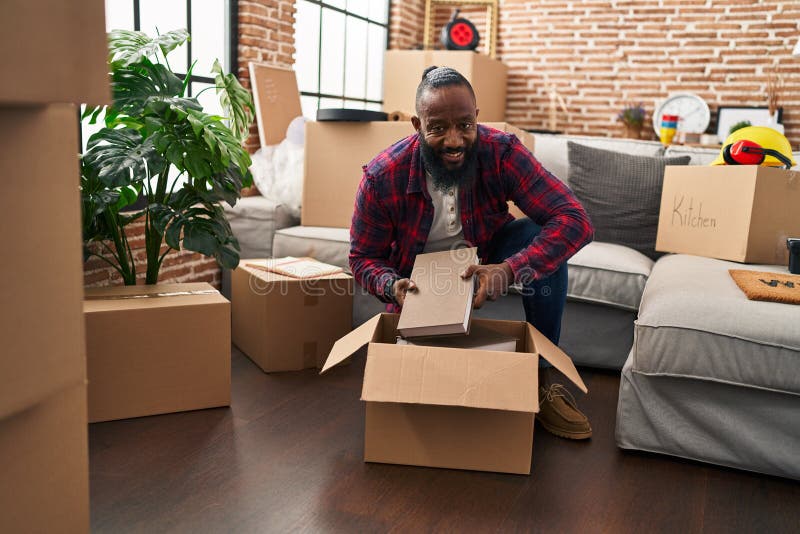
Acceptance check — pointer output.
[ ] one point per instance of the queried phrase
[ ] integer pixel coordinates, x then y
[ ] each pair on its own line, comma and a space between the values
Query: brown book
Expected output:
442, 303
477, 339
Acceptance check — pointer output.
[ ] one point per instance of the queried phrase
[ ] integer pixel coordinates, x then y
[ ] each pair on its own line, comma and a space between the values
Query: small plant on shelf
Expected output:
159, 147
632, 117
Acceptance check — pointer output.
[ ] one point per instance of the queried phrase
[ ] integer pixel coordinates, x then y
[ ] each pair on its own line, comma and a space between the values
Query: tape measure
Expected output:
460, 34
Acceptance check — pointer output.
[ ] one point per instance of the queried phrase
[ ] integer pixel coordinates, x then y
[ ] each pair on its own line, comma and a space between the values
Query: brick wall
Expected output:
178, 266
600, 54
405, 25
265, 35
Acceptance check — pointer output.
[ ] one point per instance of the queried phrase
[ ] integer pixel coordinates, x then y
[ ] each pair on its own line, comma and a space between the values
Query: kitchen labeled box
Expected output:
446, 407
740, 213
287, 324
402, 72
334, 157
156, 349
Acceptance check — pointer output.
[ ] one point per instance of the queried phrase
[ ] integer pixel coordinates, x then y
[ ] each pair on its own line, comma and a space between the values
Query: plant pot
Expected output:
631, 132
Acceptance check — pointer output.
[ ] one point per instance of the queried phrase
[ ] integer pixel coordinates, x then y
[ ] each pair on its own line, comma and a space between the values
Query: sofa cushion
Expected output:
695, 322
254, 221
551, 150
328, 245
697, 155
621, 193
606, 273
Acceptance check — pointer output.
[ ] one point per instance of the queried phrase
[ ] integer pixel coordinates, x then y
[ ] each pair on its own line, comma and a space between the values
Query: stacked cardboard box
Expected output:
336, 151
402, 71
43, 434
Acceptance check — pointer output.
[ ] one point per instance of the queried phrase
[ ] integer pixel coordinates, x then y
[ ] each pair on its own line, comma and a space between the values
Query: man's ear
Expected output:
476, 113
416, 123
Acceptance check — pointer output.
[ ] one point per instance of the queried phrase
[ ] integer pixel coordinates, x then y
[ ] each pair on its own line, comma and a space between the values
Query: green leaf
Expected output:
121, 157
199, 238
137, 85
227, 257
128, 195
221, 141
127, 47
171, 40
236, 101
181, 148
173, 234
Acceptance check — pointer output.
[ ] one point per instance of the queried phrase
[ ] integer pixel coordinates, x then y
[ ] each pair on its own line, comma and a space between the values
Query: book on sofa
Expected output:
442, 303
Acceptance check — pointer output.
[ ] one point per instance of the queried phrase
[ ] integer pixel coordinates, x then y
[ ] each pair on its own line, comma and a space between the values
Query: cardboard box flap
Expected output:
551, 353
349, 344
452, 377
277, 100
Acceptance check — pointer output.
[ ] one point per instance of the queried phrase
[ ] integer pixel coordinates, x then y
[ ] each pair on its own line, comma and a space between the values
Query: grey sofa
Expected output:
706, 374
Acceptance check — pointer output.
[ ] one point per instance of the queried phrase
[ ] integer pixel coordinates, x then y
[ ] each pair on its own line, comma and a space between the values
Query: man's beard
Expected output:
444, 178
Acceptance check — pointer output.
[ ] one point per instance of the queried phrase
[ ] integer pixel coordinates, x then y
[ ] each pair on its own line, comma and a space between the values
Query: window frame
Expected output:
343, 97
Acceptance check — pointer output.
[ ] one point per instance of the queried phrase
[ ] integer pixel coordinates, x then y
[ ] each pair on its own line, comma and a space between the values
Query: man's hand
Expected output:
493, 281
400, 288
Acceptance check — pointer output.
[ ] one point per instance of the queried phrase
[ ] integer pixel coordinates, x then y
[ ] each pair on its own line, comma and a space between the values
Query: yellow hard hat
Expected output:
762, 136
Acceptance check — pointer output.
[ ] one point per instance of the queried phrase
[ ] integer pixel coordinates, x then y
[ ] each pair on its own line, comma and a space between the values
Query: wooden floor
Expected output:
287, 456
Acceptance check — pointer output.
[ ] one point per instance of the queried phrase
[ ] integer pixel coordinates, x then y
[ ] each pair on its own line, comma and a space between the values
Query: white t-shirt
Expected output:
446, 231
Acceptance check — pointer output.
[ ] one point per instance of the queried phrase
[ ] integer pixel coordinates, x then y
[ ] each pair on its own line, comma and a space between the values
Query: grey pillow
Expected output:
621, 193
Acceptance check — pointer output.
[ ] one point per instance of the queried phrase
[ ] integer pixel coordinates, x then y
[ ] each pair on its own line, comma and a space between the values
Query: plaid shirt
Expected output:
393, 212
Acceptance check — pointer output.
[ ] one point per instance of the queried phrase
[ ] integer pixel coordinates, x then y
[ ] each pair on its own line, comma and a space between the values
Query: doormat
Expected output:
774, 287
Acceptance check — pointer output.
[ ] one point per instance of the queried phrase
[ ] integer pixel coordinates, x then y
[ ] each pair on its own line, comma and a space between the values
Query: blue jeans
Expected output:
542, 299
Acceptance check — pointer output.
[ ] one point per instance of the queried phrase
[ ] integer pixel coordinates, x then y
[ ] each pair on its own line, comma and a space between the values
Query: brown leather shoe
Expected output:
559, 414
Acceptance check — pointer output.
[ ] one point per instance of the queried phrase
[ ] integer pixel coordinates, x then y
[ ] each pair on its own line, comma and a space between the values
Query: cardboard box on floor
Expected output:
54, 51
288, 324
45, 465
740, 213
335, 154
454, 408
156, 349
402, 72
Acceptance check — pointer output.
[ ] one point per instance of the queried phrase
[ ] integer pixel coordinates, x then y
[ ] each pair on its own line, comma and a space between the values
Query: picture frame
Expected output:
727, 116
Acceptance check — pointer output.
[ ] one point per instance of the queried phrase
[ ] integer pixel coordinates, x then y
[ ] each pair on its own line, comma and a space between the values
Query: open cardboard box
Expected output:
454, 408
740, 213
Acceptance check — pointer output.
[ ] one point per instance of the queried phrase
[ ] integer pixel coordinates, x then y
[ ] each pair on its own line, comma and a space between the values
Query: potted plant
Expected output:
159, 147
632, 118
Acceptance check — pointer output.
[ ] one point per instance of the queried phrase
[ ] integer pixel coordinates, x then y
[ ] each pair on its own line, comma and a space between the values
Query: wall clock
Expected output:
691, 108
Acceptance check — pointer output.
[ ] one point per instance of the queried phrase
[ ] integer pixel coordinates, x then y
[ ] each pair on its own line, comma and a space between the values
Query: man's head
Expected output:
447, 124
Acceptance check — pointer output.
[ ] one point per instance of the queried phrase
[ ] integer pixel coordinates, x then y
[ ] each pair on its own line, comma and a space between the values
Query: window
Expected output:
339, 53
209, 24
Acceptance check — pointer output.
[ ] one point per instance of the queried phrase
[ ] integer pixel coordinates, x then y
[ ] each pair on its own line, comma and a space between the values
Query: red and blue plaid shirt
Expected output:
393, 211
